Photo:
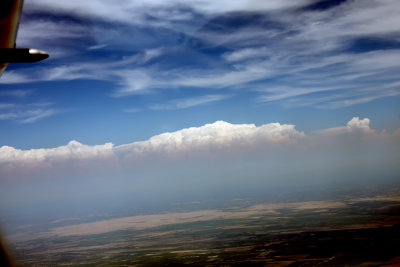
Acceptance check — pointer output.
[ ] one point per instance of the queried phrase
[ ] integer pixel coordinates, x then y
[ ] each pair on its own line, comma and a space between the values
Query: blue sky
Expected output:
145, 102
121, 73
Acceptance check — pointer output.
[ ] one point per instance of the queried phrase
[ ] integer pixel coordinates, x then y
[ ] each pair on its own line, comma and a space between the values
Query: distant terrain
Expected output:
351, 230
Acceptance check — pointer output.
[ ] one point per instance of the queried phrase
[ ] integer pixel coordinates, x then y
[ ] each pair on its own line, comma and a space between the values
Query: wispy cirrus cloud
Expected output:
131, 110
15, 93
32, 116
189, 102
139, 12
316, 54
27, 113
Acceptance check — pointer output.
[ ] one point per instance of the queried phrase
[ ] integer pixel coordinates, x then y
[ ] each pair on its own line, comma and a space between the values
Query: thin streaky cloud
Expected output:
28, 115
27, 112
189, 102
356, 101
16, 93
35, 115
7, 105
132, 110
95, 47
257, 54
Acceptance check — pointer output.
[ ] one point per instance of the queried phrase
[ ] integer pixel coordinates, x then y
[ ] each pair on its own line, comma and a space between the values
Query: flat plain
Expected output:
348, 231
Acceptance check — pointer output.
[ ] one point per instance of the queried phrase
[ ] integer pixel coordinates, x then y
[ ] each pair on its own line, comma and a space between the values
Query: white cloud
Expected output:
27, 112
6, 105
10, 77
304, 54
189, 102
73, 149
38, 114
132, 110
246, 53
49, 30
358, 100
216, 135
134, 11
357, 18
151, 53
334, 97
15, 93
355, 125
265, 145
134, 81
96, 47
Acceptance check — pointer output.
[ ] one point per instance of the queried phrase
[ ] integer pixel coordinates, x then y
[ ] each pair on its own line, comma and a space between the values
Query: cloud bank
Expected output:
217, 135
219, 141
215, 161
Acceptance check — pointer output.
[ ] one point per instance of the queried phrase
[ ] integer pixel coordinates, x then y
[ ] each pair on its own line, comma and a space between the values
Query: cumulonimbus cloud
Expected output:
219, 139
219, 134
73, 149
354, 125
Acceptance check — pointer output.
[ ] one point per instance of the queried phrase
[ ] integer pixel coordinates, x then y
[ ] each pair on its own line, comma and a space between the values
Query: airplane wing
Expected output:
10, 13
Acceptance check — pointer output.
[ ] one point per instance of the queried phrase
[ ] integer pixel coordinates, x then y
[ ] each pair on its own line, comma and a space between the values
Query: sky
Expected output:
123, 73
144, 100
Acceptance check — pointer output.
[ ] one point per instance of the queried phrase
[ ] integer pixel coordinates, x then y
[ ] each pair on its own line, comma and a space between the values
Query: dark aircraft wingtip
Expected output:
21, 55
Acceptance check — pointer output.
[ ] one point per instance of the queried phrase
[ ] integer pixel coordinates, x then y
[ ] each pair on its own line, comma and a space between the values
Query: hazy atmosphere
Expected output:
213, 162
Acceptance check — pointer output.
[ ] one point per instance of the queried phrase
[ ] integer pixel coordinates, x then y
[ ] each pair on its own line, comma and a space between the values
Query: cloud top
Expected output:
209, 145
353, 126
73, 149
217, 136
